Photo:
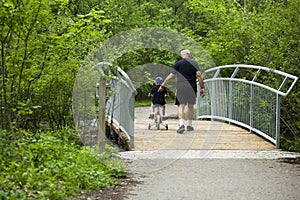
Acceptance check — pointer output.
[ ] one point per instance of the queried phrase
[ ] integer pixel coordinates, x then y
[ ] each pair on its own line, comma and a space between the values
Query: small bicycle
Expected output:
158, 119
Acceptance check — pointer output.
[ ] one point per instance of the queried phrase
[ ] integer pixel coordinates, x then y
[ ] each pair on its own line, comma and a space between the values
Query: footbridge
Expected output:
241, 111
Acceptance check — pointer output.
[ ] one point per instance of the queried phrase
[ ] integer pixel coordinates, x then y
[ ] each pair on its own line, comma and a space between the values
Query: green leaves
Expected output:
43, 46
52, 166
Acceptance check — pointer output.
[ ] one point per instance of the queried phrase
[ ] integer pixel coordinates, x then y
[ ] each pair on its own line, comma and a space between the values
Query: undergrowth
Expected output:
53, 165
290, 144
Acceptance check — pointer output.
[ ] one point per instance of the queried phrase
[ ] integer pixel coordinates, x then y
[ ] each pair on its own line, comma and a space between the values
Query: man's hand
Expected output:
160, 89
168, 78
202, 92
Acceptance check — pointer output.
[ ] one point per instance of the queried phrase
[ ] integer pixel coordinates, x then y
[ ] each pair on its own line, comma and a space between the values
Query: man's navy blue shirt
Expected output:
186, 69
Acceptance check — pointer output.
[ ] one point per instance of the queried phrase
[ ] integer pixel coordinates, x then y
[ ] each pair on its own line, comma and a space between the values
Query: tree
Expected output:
254, 32
41, 49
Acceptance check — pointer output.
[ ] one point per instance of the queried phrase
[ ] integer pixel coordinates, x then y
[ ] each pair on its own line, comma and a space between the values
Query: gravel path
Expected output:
225, 175
183, 174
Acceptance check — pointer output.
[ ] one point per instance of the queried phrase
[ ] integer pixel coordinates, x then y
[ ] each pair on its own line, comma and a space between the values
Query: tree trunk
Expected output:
3, 103
101, 119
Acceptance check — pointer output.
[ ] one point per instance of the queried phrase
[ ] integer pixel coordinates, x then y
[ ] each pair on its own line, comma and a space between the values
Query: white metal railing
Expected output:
117, 95
245, 100
120, 104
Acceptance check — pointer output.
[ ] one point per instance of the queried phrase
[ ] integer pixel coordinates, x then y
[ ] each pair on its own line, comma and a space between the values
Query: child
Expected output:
158, 98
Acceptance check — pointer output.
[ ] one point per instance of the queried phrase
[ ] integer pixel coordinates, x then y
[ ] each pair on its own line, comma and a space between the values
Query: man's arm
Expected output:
166, 81
201, 83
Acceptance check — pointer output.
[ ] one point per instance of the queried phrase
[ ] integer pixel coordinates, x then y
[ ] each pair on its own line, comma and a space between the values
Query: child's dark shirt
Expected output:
158, 97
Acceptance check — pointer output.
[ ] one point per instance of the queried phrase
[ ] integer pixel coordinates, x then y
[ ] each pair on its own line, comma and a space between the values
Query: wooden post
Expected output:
101, 119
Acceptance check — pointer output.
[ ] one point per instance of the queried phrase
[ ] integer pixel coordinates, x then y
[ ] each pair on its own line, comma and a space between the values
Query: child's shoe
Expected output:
151, 116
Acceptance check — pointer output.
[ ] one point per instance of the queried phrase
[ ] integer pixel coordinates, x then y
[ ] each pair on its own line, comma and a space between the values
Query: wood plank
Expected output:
212, 135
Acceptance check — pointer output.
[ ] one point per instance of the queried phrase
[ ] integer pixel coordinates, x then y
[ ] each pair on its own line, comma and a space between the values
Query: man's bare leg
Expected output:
181, 118
181, 111
190, 117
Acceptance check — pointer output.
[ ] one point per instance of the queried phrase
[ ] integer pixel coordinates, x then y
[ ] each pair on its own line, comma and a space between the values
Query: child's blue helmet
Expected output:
158, 79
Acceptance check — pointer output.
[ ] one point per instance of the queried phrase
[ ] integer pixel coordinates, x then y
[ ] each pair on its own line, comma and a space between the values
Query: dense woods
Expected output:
44, 43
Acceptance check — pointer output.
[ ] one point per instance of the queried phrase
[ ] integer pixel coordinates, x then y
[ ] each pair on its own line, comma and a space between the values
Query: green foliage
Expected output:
51, 165
42, 48
290, 144
43, 44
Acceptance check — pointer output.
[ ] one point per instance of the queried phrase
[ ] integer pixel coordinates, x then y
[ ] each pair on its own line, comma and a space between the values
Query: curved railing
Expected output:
238, 94
120, 104
104, 110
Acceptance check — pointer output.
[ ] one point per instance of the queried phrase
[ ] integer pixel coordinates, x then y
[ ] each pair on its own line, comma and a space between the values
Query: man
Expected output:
187, 71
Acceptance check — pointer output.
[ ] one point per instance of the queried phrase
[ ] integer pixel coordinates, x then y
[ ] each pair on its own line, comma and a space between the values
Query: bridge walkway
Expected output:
208, 135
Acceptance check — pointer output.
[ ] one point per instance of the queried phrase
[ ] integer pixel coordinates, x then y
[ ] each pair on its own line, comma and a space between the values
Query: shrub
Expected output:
290, 144
52, 165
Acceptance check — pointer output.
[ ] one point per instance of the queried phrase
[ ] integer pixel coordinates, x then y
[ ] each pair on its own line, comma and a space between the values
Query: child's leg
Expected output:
164, 110
151, 115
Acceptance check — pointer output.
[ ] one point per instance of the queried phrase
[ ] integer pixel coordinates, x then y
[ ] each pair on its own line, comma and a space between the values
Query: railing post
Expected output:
213, 94
251, 107
213, 99
101, 119
230, 100
131, 102
277, 121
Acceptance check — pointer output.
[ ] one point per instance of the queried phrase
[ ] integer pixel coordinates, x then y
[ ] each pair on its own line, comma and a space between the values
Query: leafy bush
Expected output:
53, 165
290, 144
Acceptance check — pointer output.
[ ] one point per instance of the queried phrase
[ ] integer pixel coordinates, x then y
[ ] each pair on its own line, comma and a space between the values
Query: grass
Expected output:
148, 102
142, 103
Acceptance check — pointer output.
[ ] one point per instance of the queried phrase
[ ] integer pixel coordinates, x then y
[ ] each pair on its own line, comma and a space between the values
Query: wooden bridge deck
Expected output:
212, 135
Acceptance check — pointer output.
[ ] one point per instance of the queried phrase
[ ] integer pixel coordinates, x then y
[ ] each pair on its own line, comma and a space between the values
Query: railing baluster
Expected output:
277, 121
